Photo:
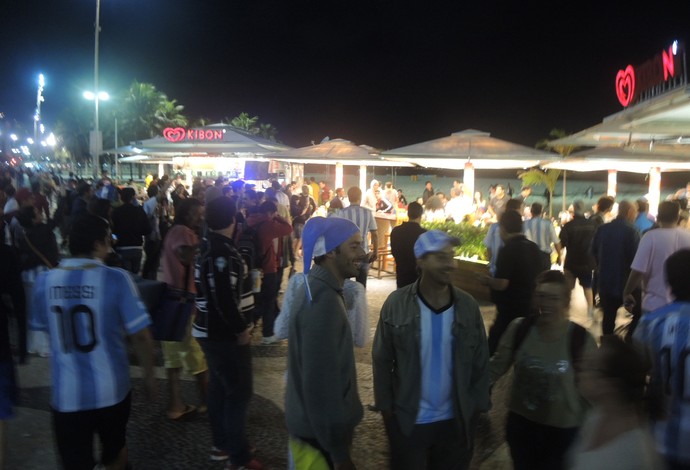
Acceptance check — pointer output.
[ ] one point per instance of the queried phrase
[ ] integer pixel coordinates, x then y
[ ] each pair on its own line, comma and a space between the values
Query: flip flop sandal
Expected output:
188, 411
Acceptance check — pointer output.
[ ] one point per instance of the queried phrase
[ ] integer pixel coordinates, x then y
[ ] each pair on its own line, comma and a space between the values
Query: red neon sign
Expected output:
631, 82
668, 63
625, 85
177, 134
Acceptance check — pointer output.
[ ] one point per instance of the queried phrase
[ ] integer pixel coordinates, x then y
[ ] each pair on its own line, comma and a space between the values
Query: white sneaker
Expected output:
268, 340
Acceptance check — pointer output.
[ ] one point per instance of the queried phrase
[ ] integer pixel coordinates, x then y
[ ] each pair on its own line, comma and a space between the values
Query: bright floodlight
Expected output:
51, 140
102, 95
13, 137
41, 80
30, 141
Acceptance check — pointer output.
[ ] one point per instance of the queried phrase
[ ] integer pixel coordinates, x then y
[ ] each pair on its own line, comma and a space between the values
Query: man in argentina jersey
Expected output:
665, 333
87, 309
430, 359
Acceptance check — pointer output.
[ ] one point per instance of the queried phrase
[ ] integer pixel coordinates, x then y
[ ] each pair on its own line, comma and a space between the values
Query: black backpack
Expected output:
249, 245
577, 338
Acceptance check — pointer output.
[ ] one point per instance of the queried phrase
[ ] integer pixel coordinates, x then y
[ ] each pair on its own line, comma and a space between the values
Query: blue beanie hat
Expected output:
324, 234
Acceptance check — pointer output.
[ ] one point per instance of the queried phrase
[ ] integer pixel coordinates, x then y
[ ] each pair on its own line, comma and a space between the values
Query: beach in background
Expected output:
586, 186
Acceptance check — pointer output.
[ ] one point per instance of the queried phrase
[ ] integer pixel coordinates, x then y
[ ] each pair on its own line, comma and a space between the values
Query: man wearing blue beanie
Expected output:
322, 406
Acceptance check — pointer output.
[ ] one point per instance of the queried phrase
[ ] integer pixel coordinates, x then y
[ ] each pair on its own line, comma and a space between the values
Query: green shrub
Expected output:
471, 237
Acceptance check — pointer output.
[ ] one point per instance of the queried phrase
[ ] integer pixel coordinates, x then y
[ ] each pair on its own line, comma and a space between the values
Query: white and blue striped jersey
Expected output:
363, 218
87, 309
436, 359
541, 232
666, 334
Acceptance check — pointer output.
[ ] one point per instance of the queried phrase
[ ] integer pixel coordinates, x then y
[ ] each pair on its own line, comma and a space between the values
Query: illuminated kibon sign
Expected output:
178, 134
665, 71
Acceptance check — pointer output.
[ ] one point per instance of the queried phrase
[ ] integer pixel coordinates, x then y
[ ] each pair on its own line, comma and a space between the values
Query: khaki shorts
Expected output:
186, 353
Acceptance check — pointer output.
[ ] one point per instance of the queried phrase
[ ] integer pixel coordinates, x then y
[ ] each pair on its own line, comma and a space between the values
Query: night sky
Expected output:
377, 72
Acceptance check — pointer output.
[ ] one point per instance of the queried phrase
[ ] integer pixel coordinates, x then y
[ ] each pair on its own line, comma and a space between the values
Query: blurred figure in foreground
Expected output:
615, 434
665, 335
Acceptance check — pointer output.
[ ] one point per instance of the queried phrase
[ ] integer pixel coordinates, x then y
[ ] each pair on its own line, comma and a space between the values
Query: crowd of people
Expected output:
78, 253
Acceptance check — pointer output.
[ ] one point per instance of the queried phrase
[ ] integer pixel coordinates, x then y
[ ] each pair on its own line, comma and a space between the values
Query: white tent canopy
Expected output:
477, 147
469, 150
338, 152
663, 120
634, 159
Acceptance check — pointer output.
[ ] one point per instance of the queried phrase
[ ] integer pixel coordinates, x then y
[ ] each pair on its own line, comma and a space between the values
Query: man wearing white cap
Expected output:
322, 406
430, 359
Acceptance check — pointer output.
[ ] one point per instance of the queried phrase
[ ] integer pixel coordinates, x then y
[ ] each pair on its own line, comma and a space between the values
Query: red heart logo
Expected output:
625, 85
174, 134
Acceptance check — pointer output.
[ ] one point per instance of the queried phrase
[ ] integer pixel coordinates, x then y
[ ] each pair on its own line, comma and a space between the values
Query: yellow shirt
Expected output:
316, 190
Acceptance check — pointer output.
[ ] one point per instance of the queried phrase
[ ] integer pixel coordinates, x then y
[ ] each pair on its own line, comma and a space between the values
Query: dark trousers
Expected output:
229, 392
268, 298
535, 446
363, 274
152, 248
74, 434
673, 465
504, 315
130, 258
636, 313
434, 446
610, 305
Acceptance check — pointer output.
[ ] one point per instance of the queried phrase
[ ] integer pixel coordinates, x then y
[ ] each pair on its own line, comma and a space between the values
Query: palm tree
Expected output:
556, 134
200, 122
137, 116
541, 177
169, 114
243, 121
268, 131
72, 133
548, 177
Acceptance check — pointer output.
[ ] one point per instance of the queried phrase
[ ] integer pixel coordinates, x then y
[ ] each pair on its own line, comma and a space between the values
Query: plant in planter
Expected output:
471, 238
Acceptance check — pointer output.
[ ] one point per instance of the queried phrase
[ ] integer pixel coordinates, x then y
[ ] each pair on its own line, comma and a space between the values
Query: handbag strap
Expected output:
186, 275
38, 253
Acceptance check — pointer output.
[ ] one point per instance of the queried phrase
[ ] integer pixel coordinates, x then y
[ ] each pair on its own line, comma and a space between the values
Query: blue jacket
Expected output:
614, 246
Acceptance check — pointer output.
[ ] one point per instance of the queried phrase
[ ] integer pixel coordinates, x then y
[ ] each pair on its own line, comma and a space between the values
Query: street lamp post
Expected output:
39, 100
96, 138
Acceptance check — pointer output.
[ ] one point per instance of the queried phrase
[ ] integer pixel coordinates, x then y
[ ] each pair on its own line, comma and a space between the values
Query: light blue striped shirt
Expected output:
666, 333
436, 349
362, 218
541, 232
493, 242
87, 309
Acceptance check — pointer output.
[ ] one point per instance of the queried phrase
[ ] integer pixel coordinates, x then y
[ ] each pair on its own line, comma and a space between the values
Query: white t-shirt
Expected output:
632, 450
654, 249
